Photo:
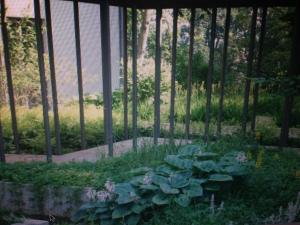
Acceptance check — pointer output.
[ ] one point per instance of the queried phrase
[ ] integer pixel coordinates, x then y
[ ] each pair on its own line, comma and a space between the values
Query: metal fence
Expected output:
105, 27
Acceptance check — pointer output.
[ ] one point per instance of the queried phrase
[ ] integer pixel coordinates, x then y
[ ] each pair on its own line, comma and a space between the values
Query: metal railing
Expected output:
106, 68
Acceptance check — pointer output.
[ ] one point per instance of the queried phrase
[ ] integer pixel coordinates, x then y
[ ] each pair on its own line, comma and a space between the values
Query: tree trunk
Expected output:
143, 36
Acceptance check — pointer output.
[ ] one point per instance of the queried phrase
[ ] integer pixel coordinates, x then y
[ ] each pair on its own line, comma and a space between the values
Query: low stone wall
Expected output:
46, 201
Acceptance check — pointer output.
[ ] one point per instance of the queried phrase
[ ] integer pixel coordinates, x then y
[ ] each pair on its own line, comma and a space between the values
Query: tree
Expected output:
24, 62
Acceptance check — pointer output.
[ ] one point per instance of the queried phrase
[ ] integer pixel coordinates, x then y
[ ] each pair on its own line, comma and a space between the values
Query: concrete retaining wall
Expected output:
32, 200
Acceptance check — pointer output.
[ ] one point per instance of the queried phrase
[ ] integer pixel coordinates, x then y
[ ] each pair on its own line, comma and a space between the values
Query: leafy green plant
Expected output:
185, 177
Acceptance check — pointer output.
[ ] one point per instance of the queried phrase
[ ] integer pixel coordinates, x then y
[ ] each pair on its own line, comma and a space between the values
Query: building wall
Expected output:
64, 44
64, 48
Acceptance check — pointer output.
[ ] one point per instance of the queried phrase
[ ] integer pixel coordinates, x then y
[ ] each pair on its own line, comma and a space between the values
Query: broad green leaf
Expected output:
180, 180
126, 198
149, 187
132, 219
183, 200
121, 211
140, 171
193, 191
167, 189
101, 210
126, 193
179, 163
136, 181
164, 170
212, 187
194, 181
158, 179
220, 178
160, 199
206, 166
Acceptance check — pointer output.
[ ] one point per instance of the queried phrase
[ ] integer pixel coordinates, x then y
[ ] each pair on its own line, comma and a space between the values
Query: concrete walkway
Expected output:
92, 154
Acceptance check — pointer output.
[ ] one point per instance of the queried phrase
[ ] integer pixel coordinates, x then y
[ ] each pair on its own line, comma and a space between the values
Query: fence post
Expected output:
189, 76
125, 72
173, 73
79, 74
40, 49
2, 146
249, 69
53, 75
106, 73
224, 71
134, 78
258, 65
210, 72
293, 71
157, 77
10, 87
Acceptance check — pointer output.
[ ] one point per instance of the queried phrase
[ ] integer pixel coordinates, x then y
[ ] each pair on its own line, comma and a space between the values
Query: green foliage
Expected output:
177, 181
145, 87
23, 53
272, 184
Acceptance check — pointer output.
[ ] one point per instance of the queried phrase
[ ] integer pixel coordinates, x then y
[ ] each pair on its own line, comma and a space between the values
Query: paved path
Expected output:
92, 154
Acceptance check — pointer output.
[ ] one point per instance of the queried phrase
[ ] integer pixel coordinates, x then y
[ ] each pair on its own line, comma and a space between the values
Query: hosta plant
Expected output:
188, 176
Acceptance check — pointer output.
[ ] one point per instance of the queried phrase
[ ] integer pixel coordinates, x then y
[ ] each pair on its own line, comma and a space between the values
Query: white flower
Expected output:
147, 180
103, 196
91, 194
241, 157
110, 186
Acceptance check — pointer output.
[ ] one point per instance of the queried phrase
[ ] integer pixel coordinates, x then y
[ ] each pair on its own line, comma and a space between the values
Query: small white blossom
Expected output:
103, 196
91, 194
110, 186
241, 157
147, 180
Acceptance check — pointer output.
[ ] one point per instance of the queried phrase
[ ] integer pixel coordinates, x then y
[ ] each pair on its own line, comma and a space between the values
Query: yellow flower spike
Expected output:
249, 155
257, 135
259, 160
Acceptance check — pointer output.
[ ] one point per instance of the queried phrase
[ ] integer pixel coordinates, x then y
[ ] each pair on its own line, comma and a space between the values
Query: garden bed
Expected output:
273, 184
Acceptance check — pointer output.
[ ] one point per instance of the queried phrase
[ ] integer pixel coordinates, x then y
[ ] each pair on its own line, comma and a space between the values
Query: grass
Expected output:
85, 173
30, 121
273, 184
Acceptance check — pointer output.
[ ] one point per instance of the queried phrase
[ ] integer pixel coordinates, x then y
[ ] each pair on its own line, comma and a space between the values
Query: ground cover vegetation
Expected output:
271, 183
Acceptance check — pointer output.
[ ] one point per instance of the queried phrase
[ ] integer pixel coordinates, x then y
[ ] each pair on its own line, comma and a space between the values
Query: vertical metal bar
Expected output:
249, 69
258, 65
134, 78
53, 76
5, 39
157, 77
79, 74
40, 49
189, 76
294, 70
224, 70
106, 73
210, 71
2, 147
125, 71
173, 73
2, 144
